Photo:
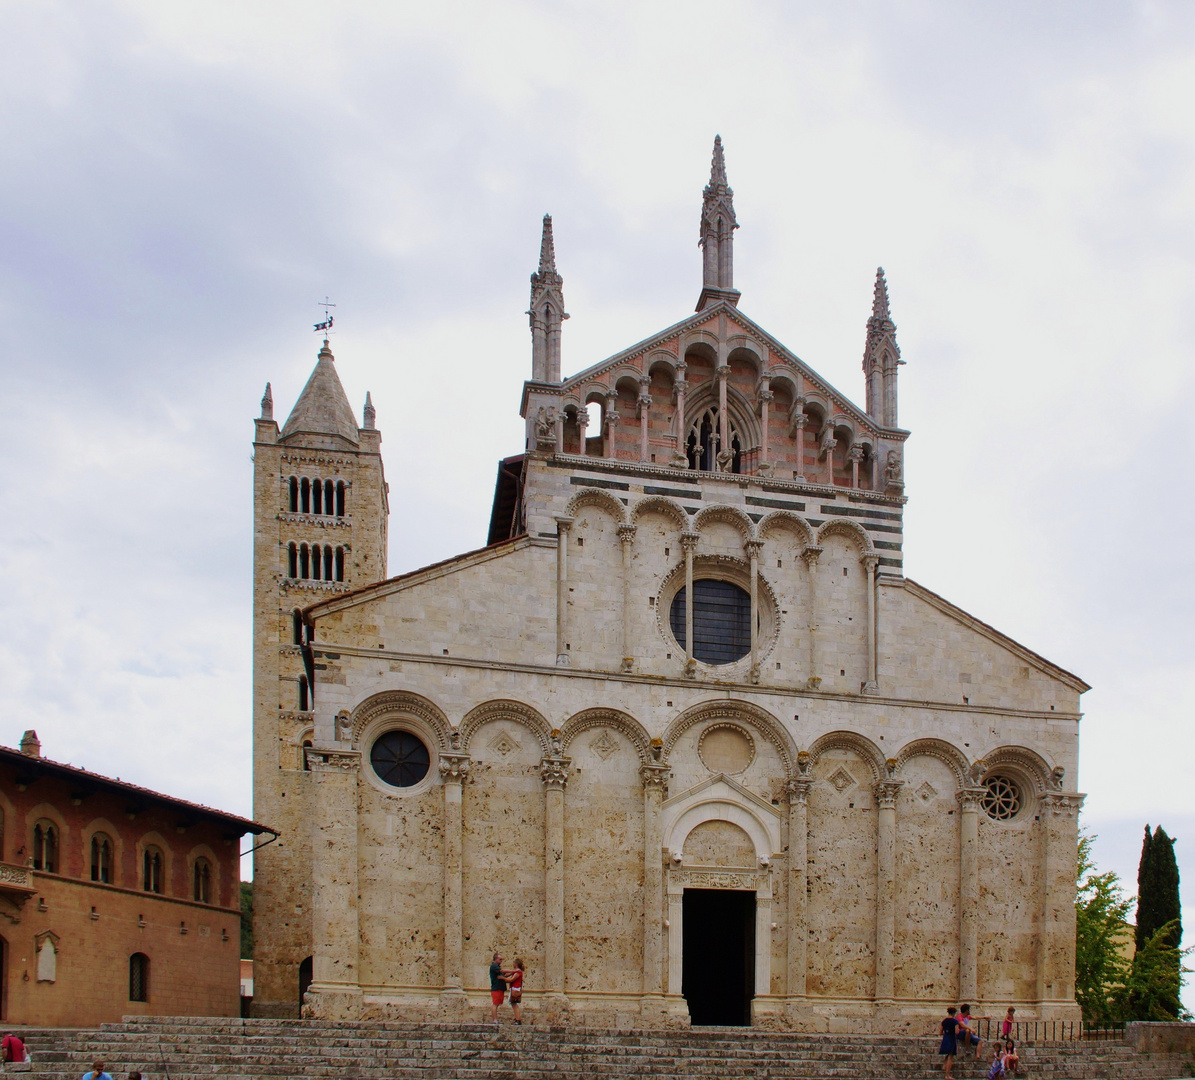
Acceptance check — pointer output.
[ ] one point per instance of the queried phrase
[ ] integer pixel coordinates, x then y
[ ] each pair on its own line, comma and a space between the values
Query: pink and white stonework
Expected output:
682, 722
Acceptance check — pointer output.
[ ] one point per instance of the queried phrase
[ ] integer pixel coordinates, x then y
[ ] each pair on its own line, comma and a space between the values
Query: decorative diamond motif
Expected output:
926, 792
841, 779
503, 744
603, 745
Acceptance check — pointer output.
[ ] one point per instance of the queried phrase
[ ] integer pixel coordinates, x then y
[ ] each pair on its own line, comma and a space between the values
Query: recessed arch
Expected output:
661, 504
851, 530
603, 500
1021, 758
744, 713
849, 740
786, 519
662, 360
396, 703
954, 759
507, 710
717, 807
611, 718
731, 515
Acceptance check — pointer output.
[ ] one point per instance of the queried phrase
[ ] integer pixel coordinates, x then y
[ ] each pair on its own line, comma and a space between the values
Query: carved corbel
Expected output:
454, 767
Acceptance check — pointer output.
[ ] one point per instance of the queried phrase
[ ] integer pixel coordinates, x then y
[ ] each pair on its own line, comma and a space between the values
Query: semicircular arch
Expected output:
611, 718
786, 519
954, 759
1027, 761
732, 515
596, 497
506, 709
660, 504
398, 703
850, 740
745, 713
851, 530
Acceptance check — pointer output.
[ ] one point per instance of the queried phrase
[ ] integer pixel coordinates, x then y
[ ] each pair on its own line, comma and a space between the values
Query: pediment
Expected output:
720, 784
721, 798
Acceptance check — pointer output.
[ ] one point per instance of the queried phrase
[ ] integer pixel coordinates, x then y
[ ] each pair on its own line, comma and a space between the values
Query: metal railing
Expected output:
1046, 1031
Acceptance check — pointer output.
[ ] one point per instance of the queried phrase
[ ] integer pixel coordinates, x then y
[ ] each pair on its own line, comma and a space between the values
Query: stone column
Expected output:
828, 444
797, 790
644, 413
885, 793
553, 771
655, 780
855, 456
626, 533
753, 549
610, 419
810, 555
563, 528
689, 543
1055, 939
336, 979
582, 424
723, 374
765, 400
453, 768
676, 939
968, 893
870, 562
799, 421
679, 456
560, 432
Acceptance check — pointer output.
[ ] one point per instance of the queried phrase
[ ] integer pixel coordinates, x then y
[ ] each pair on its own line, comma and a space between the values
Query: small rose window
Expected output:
1001, 798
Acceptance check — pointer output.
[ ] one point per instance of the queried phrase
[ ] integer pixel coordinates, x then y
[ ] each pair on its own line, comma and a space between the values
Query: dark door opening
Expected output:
718, 976
305, 976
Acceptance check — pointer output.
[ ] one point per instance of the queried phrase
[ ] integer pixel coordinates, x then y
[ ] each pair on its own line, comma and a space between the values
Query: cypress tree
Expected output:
1157, 889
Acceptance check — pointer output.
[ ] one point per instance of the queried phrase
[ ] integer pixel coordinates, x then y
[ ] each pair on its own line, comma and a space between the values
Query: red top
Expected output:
517, 982
14, 1049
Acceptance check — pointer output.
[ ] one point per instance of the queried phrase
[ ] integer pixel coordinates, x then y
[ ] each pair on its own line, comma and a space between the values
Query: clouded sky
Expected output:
181, 183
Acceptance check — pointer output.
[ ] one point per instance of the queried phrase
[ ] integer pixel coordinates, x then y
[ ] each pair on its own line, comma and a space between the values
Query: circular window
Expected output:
399, 758
1001, 799
721, 621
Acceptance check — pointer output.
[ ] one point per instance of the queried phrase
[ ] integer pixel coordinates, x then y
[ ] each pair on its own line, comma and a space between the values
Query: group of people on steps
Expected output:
958, 1034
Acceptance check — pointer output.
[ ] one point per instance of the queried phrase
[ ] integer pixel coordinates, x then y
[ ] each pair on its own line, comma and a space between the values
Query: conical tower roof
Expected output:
323, 408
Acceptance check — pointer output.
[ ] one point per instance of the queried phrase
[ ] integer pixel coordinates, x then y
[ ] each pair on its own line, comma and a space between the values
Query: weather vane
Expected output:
326, 325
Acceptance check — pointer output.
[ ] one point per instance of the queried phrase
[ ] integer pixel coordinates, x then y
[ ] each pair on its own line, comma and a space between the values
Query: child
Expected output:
949, 1045
1012, 1060
1006, 1027
996, 1069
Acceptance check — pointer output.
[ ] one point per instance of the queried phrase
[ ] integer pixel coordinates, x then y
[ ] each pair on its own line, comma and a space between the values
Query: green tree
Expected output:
1101, 926
1157, 890
246, 920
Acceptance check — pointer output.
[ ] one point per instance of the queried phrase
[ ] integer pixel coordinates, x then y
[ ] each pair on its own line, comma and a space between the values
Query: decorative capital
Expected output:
722, 371
798, 420
869, 561
1057, 805
583, 417
626, 533
855, 453
886, 792
654, 777
754, 548
688, 541
970, 798
797, 789
554, 772
563, 524
454, 767
328, 760
811, 555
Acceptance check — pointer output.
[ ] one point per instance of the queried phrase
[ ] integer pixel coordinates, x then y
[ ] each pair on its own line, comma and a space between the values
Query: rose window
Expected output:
1001, 798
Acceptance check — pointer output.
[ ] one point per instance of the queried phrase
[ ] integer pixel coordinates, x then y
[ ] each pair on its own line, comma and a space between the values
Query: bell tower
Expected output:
320, 513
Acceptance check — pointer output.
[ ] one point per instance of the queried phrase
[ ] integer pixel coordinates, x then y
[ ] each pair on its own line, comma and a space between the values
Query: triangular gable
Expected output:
721, 780
992, 634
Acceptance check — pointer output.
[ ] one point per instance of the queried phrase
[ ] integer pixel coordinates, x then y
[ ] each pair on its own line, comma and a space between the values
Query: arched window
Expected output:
340, 498
45, 846
305, 495
340, 564
329, 497
304, 562
296, 619
138, 977
292, 560
151, 870
294, 494
101, 858
317, 497
303, 750
327, 562
704, 442
202, 881
316, 562
303, 695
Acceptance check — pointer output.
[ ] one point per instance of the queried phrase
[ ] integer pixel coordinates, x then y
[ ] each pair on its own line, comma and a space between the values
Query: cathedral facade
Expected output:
682, 735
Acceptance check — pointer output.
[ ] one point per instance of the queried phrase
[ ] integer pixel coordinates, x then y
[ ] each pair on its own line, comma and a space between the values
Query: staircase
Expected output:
183, 1048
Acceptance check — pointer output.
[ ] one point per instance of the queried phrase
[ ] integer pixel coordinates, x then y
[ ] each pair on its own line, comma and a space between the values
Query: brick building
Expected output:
114, 899
683, 735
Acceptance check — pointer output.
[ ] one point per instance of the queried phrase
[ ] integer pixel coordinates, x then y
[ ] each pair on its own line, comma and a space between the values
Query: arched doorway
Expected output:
305, 975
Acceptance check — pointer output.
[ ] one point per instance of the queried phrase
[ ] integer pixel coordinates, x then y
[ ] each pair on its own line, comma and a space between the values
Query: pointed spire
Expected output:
879, 304
547, 248
718, 164
881, 355
546, 311
369, 414
267, 404
717, 235
323, 408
